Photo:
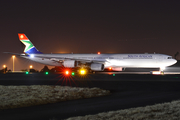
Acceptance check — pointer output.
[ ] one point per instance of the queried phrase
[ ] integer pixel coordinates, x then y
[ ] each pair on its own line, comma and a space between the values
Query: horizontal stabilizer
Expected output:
14, 53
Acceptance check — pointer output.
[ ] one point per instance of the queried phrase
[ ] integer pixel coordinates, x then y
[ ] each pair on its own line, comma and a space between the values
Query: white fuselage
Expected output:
109, 60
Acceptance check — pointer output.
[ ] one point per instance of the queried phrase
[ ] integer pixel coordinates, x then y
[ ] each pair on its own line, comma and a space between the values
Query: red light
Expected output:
99, 53
110, 68
22, 36
67, 72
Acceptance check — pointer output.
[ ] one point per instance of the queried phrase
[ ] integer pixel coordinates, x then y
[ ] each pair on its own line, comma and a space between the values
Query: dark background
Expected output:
89, 26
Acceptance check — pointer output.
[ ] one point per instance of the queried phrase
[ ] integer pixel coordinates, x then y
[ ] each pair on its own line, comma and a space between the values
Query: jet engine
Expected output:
70, 63
118, 68
97, 67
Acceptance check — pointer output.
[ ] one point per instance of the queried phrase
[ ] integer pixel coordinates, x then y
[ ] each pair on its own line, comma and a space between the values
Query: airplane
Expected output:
95, 62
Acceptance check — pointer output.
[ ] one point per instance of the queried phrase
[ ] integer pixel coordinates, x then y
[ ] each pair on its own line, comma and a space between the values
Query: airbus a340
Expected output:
96, 62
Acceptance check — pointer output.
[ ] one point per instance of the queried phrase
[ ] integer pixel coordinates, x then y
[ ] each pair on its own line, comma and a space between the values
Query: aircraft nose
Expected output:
174, 61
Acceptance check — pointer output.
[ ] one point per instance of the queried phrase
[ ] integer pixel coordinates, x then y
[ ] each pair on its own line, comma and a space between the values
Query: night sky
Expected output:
89, 26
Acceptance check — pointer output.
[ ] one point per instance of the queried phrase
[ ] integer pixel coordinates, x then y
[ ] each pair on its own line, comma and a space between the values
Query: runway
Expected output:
127, 91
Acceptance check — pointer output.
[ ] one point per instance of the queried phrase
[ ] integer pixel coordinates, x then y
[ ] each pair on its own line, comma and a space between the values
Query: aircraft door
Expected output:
159, 59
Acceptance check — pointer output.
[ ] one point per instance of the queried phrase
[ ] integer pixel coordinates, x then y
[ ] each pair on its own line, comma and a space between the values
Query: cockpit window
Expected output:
169, 57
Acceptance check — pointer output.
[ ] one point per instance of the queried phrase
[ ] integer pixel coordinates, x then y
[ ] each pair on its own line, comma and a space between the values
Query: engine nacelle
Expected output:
97, 67
70, 63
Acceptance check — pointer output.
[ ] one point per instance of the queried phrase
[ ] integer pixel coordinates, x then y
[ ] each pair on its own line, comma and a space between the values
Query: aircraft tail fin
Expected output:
29, 47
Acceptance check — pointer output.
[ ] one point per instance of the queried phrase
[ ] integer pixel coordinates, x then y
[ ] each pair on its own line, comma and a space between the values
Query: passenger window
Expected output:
111, 57
169, 57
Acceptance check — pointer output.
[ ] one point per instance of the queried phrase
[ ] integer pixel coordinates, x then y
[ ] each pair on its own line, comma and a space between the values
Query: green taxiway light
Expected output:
27, 72
113, 74
72, 73
175, 77
46, 73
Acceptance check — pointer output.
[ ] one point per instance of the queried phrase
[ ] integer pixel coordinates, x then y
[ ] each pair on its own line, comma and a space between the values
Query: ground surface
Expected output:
24, 96
165, 111
127, 91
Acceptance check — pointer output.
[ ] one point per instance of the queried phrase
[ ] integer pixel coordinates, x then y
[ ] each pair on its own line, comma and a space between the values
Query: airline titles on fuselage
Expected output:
138, 57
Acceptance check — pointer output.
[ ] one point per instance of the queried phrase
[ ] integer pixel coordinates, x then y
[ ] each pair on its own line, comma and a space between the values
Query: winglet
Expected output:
29, 47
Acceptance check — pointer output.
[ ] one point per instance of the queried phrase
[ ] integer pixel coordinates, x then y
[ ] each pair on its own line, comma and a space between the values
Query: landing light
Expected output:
157, 72
162, 68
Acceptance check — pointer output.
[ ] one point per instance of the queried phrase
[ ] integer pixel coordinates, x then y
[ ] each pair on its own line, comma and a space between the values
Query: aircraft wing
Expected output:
58, 59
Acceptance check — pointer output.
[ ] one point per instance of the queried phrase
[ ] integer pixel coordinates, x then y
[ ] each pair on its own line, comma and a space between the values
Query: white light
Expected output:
32, 56
157, 72
21, 36
162, 68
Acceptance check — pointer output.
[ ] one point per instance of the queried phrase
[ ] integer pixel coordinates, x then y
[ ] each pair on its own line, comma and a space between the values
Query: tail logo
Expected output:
29, 47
